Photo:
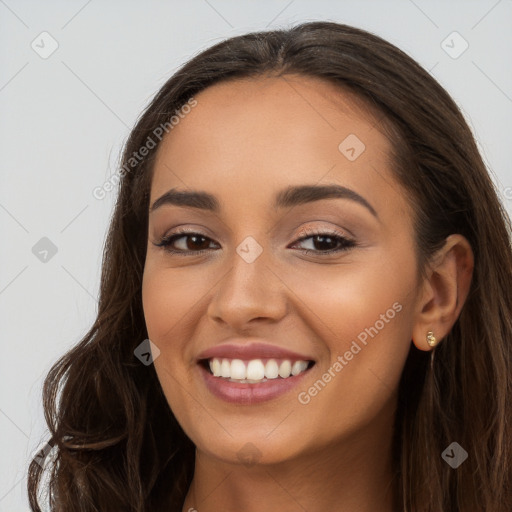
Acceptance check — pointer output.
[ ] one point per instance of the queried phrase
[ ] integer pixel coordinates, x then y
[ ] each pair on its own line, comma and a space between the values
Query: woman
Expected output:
307, 234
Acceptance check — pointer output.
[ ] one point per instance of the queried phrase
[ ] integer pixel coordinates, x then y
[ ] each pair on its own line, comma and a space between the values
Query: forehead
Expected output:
267, 132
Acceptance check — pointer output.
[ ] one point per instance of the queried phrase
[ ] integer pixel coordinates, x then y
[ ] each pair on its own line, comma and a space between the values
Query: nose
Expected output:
248, 292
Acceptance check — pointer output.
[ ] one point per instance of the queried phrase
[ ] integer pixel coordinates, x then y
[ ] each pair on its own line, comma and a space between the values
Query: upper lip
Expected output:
251, 351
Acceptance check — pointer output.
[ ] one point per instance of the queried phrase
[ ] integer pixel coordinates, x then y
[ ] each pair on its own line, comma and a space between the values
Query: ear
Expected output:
444, 291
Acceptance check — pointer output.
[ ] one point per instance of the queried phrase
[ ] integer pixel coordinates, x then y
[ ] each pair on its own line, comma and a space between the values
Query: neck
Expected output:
352, 474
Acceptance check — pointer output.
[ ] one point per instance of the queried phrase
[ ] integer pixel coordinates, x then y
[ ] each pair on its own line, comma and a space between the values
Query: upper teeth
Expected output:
255, 369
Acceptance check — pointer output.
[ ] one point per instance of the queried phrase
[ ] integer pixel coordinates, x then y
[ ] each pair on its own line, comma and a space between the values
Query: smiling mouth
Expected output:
254, 371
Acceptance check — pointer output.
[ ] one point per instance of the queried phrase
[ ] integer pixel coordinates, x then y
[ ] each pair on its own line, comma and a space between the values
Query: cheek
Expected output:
365, 318
343, 301
169, 302
170, 297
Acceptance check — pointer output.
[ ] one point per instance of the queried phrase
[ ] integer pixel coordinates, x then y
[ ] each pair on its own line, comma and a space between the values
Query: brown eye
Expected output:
325, 243
185, 242
195, 242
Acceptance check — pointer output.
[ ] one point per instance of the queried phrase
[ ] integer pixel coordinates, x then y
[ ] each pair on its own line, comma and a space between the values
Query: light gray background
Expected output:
63, 120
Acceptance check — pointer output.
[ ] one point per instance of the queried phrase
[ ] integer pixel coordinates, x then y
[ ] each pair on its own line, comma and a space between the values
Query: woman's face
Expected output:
269, 352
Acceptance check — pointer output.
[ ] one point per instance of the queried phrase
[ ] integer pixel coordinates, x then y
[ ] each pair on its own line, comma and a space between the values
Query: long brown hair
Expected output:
117, 445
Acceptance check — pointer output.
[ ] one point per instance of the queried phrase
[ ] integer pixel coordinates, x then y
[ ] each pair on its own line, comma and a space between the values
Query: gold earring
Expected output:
431, 339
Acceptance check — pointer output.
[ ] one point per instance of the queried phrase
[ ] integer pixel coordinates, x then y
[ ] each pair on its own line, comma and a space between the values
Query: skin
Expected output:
245, 141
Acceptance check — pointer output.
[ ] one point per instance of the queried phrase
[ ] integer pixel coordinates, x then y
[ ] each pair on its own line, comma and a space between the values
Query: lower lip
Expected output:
249, 393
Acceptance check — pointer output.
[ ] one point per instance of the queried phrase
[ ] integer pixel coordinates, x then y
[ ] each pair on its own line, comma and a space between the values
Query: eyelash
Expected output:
345, 243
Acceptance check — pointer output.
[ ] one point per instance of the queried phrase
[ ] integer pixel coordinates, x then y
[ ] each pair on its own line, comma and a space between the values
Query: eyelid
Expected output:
179, 230
304, 233
179, 233
308, 232
347, 242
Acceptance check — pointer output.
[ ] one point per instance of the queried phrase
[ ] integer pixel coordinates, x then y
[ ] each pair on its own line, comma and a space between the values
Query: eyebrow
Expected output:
287, 198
